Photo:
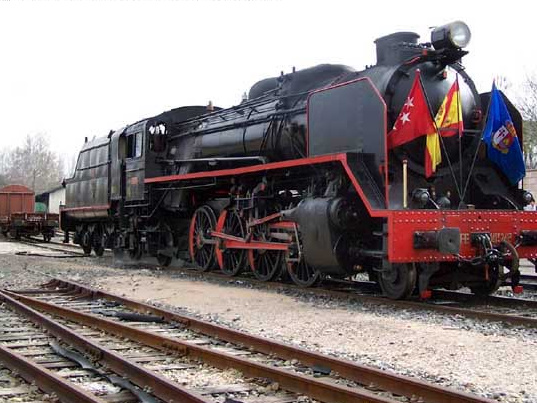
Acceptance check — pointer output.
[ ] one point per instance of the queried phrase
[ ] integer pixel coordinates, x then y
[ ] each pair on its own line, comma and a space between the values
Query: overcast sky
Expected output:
74, 69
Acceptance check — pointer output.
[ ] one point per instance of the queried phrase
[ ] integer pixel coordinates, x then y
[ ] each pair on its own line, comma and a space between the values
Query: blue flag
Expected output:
503, 147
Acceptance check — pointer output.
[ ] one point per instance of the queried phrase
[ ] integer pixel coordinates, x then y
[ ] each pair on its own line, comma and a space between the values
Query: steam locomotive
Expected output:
297, 181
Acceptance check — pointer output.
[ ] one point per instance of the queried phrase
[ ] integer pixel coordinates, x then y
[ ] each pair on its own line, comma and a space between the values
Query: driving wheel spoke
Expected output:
234, 260
202, 253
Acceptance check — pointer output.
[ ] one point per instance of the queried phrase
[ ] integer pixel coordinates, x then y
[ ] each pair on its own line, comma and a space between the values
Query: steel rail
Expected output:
528, 281
162, 387
365, 375
489, 299
67, 245
52, 248
46, 380
514, 320
447, 294
316, 388
452, 295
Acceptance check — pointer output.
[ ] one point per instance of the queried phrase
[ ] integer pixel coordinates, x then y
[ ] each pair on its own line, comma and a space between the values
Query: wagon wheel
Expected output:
166, 243
136, 253
86, 242
99, 240
200, 243
98, 247
302, 273
135, 250
231, 261
496, 272
399, 281
99, 250
119, 253
491, 285
266, 264
164, 260
509, 260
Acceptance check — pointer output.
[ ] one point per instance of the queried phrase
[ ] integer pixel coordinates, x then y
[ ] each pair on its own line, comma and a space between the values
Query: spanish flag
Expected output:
449, 116
433, 155
449, 122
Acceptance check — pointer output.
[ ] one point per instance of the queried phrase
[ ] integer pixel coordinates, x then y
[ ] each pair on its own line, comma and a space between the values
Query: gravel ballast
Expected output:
484, 358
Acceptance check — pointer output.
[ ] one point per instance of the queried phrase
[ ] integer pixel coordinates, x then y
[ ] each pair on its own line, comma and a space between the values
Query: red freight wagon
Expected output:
17, 215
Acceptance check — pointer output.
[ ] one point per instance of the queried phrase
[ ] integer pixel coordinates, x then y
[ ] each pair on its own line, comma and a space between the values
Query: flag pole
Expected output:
459, 133
441, 140
478, 144
405, 183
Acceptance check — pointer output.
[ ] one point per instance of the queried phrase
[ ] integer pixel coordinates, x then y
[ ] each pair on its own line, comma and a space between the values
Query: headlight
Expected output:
453, 35
460, 34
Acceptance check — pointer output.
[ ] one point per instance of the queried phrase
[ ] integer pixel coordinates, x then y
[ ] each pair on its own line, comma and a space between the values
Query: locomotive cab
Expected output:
135, 150
132, 145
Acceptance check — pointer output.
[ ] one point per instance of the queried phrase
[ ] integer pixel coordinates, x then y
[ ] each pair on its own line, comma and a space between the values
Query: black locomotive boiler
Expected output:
297, 180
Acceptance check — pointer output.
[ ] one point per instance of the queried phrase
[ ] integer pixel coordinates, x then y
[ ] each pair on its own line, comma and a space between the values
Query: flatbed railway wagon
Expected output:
18, 217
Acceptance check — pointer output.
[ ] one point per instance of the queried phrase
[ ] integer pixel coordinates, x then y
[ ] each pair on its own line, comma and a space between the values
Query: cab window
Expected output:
134, 145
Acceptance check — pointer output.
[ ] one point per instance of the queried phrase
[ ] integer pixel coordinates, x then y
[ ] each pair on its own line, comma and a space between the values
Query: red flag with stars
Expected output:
414, 120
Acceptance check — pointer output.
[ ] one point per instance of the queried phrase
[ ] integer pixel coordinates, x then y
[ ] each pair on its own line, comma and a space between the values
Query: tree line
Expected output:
34, 165
528, 107
525, 99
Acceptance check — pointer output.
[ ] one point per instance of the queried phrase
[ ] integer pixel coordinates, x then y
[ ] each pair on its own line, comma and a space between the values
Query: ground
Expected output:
488, 359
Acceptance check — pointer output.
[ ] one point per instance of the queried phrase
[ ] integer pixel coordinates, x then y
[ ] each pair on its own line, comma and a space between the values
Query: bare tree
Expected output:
33, 164
4, 164
528, 103
68, 164
503, 83
528, 107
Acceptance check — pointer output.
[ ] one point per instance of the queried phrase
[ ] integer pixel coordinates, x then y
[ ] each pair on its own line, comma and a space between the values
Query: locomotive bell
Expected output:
453, 35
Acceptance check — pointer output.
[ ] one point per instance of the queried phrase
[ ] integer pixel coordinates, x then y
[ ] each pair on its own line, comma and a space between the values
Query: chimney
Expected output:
396, 48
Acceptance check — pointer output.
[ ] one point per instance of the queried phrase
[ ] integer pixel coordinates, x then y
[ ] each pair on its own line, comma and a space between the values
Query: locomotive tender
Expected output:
297, 180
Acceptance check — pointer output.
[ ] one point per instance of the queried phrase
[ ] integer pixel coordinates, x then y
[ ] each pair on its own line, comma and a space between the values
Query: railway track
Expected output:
122, 327
492, 301
39, 351
13, 388
512, 311
67, 245
506, 305
68, 250
528, 281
